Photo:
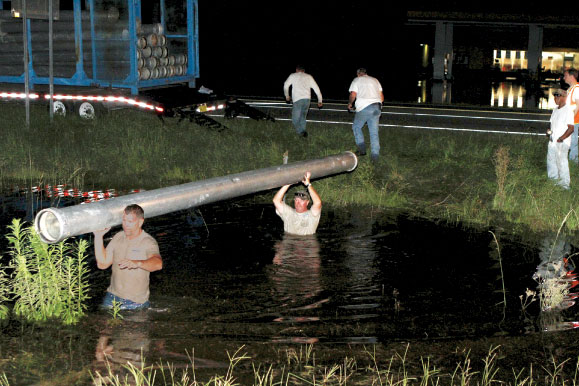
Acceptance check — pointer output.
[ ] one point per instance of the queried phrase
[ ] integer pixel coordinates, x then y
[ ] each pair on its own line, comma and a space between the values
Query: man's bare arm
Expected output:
316, 207
570, 129
152, 264
351, 99
100, 252
278, 198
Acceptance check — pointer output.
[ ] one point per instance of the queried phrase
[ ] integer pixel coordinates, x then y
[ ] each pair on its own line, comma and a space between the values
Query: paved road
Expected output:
427, 118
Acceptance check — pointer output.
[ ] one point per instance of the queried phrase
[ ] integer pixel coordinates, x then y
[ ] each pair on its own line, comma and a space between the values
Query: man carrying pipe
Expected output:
299, 221
133, 254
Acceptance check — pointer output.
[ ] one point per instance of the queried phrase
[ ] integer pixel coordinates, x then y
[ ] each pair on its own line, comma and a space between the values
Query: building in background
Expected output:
526, 50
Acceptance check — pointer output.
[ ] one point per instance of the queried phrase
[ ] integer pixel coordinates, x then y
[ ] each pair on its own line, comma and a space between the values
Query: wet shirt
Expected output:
131, 284
301, 84
368, 91
296, 223
560, 118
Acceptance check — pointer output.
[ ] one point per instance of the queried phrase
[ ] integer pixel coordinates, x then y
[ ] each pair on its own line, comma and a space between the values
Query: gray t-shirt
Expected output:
131, 284
296, 223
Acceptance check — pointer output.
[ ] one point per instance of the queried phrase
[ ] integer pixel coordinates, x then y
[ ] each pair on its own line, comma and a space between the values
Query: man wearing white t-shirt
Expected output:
301, 84
559, 140
301, 220
366, 91
570, 77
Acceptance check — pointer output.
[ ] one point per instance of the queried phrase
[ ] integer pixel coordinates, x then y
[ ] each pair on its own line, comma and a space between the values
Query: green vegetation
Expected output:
46, 282
301, 367
475, 178
115, 311
461, 363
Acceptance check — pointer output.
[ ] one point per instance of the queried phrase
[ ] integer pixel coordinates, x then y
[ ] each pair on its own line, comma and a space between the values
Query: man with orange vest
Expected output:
570, 76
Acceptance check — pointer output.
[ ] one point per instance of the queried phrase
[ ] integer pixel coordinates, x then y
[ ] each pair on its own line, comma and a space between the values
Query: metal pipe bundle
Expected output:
56, 224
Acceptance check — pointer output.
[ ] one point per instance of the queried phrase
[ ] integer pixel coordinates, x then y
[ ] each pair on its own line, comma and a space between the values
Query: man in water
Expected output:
133, 254
301, 220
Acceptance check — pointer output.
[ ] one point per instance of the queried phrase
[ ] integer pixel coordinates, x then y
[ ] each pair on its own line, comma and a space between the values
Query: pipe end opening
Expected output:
355, 160
48, 226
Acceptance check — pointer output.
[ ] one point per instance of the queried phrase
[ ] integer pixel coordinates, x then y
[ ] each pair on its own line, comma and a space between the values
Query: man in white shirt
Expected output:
301, 84
299, 221
570, 76
366, 91
559, 140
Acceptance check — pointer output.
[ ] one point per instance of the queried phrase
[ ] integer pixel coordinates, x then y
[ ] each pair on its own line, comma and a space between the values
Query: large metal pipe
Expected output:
61, 36
109, 15
41, 26
42, 71
43, 57
56, 224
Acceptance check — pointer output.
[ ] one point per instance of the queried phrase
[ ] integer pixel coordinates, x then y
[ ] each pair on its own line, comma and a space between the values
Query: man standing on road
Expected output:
570, 76
299, 221
301, 84
133, 254
559, 140
366, 91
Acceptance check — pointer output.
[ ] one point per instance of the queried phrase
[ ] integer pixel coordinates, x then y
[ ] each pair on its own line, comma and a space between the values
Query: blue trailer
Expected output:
113, 53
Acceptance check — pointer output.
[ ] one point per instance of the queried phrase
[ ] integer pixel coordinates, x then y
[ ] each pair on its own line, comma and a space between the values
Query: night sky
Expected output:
250, 47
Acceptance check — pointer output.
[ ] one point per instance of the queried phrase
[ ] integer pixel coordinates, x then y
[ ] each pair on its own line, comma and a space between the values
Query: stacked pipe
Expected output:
154, 59
65, 54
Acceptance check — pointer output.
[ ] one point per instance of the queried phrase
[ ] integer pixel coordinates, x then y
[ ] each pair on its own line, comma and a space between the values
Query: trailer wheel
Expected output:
59, 108
86, 110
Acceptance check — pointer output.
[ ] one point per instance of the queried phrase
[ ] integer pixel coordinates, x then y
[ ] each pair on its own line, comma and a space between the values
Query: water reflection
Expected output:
127, 342
514, 95
296, 275
123, 342
506, 94
556, 284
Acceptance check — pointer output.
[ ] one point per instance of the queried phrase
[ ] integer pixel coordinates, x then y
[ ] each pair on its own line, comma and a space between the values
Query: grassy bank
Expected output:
304, 366
399, 364
474, 178
458, 363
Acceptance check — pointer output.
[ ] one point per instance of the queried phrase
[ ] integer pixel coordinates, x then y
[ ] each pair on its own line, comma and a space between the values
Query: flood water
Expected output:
498, 94
232, 278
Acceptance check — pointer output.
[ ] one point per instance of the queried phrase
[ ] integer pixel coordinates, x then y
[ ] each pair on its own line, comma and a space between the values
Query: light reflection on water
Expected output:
514, 95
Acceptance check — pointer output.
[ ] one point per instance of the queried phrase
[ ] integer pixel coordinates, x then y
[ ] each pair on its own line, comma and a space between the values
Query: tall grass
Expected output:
397, 370
469, 178
46, 282
501, 169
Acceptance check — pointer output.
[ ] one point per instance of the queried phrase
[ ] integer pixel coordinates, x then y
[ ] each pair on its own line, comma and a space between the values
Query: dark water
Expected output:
497, 94
232, 278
